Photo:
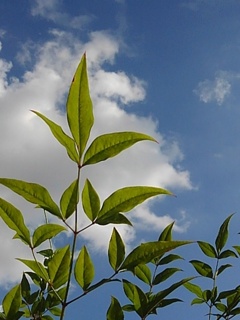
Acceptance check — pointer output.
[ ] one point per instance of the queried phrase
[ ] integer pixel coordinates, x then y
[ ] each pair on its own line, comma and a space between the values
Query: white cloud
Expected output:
51, 10
29, 153
214, 90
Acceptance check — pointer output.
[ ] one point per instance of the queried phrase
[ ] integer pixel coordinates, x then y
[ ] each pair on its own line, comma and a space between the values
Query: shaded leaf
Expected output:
14, 220
84, 269
227, 253
115, 310
61, 136
169, 258
164, 275
25, 287
69, 199
58, 267
146, 252
90, 201
222, 234
34, 193
207, 249
109, 145
136, 296
157, 298
79, 107
202, 268
116, 250
117, 218
45, 232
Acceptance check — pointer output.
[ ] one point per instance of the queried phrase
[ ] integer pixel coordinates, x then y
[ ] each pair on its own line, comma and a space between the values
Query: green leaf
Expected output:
45, 232
115, 311
12, 302
221, 307
37, 267
194, 289
56, 311
116, 250
143, 273
202, 268
14, 220
223, 267
61, 136
84, 269
46, 317
222, 235
169, 258
33, 193
69, 199
237, 248
79, 107
157, 298
146, 252
197, 301
207, 249
125, 199
58, 267
48, 253
117, 218
166, 234
25, 287
227, 253
90, 201
164, 275
109, 145
136, 295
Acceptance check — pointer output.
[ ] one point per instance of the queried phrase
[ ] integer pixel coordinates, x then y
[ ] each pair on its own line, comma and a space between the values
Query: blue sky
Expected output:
167, 68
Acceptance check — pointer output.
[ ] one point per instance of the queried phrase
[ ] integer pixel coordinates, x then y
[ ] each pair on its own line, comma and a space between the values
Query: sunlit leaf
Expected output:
69, 199
143, 273
146, 252
58, 267
12, 302
197, 301
45, 232
194, 289
84, 269
116, 250
115, 311
90, 201
136, 296
125, 199
14, 220
37, 267
61, 136
79, 107
202, 268
34, 193
222, 235
207, 249
109, 145
166, 234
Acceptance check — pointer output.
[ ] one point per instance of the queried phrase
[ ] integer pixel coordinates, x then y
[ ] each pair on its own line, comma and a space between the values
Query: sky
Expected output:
170, 69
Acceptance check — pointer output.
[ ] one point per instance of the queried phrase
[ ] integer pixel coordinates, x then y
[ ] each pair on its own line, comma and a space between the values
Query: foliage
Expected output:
43, 292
